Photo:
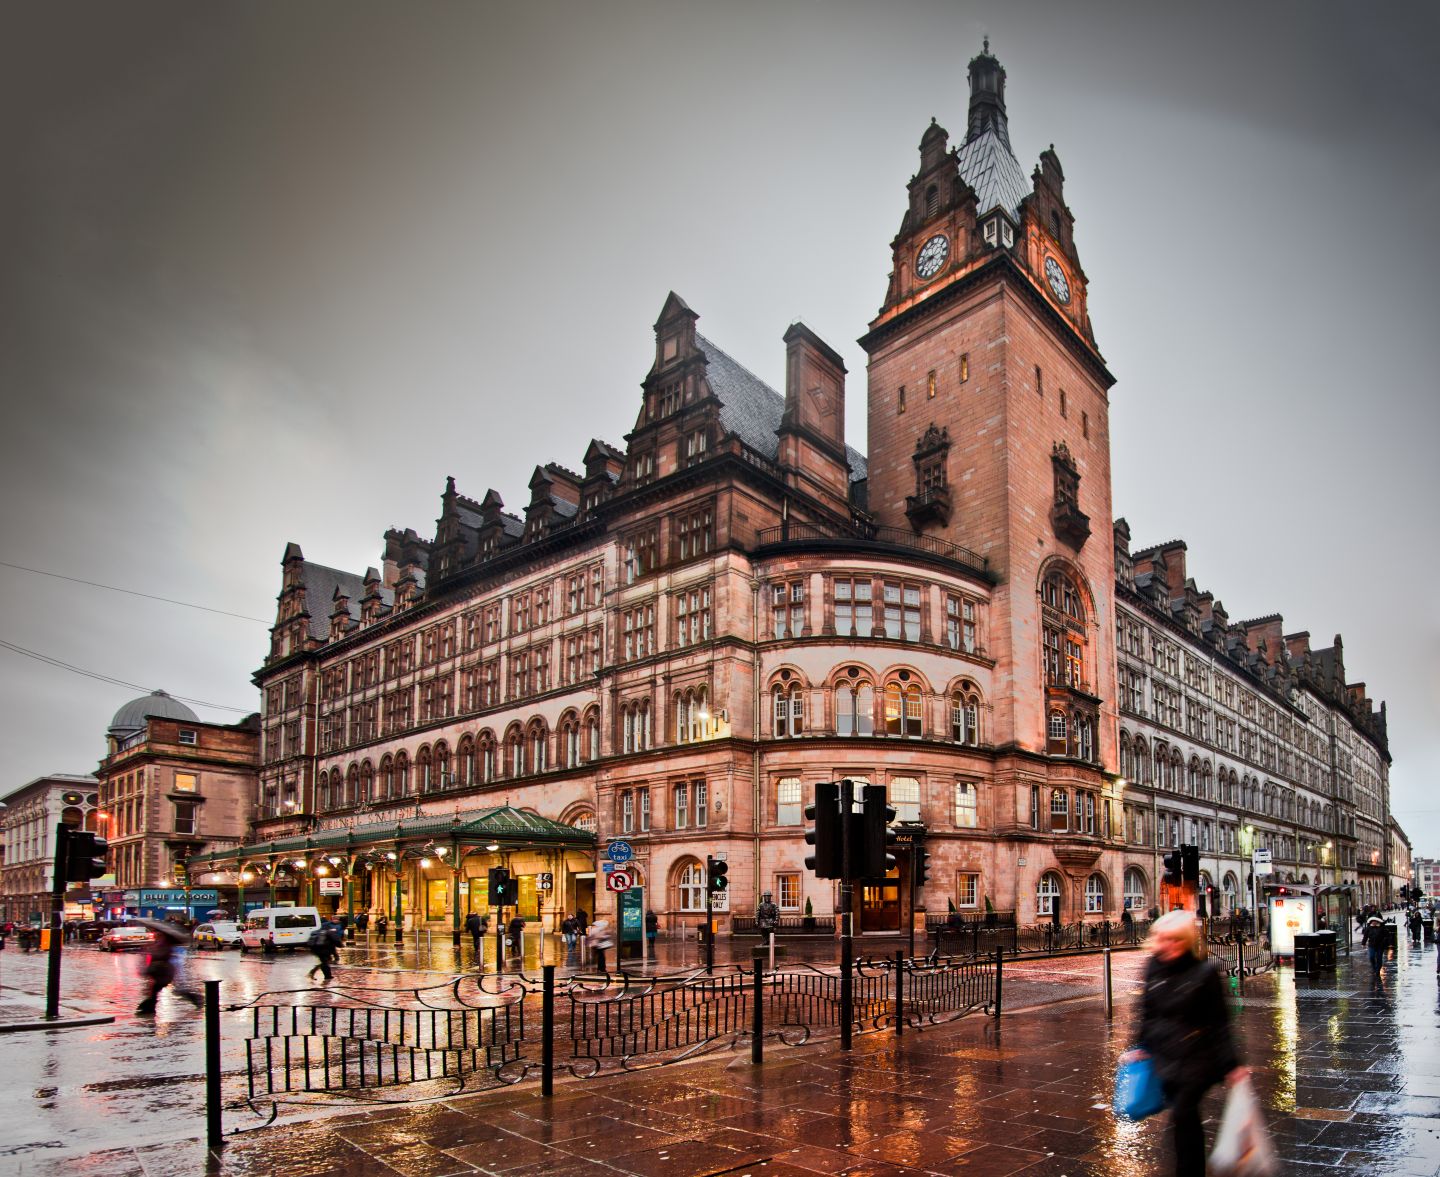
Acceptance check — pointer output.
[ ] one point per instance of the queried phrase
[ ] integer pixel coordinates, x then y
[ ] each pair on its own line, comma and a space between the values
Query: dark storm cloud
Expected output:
273, 271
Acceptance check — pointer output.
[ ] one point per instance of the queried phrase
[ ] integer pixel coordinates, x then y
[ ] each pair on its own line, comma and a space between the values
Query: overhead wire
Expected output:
133, 592
119, 682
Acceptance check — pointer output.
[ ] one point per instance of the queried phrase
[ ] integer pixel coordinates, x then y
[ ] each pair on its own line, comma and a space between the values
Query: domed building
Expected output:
171, 785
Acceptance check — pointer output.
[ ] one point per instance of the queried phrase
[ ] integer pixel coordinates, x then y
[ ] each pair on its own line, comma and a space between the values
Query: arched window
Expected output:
1205, 782
1084, 738
692, 715
788, 710
584, 821
424, 777
442, 766
635, 724
465, 761
1059, 811
902, 710
1125, 755
367, 781
691, 882
1095, 895
1063, 631
1193, 780
352, 785
402, 775
1177, 769
1142, 761
537, 751
515, 751
966, 805
387, 776
904, 796
570, 741
592, 735
1134, 890
965, 715
855, 709
1058, 727
488, 758
1047, 894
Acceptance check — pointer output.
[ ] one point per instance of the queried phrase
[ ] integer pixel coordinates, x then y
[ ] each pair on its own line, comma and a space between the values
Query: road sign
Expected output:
619, 851
620, 880
1259, 856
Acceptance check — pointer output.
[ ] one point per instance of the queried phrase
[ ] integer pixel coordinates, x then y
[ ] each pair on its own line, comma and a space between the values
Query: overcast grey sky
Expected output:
273, 270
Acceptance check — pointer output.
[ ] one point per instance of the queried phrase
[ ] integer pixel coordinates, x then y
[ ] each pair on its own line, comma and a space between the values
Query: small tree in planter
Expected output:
808, 923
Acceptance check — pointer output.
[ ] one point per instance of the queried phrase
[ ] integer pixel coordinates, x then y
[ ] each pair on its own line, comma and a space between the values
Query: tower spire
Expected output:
987, 98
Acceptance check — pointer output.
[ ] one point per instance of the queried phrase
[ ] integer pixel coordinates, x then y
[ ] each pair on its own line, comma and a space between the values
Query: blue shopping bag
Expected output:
1137, 1090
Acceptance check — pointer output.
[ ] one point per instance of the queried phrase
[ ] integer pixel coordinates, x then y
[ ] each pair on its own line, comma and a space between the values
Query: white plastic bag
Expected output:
1243, 1147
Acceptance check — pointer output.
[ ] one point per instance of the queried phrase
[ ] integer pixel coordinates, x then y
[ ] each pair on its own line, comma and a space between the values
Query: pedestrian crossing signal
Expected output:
715, 871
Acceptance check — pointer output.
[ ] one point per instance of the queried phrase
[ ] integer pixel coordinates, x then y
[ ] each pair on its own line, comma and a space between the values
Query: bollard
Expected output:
547, 1032
1109, 988
1240, 961
757, 1016
214, 1134
899, 992
999, 979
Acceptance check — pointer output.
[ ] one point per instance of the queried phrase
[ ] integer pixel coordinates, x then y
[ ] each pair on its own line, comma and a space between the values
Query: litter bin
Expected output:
1392, 936
1428, 924
44, 939
1324, 950
1307, 950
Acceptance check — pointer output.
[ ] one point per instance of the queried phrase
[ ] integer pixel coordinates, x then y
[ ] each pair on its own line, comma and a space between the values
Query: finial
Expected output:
932, 120
987, 44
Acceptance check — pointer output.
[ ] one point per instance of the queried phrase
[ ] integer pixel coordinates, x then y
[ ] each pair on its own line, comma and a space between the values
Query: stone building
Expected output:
673, 643
1236, 737
28, 822
170, 787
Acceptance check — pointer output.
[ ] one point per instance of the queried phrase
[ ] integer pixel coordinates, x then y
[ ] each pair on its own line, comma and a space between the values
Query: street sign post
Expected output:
618, 851
619, 881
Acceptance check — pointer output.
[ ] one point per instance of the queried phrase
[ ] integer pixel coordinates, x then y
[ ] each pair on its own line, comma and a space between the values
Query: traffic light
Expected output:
1190, 864
1174, 875
84, 856
1201, 908
825, 836
877, 840
715, 871
504, 891
1404, 892
921, 860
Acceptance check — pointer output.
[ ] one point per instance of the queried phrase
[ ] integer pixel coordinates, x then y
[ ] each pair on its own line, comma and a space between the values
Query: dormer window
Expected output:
1007, 235
992, 231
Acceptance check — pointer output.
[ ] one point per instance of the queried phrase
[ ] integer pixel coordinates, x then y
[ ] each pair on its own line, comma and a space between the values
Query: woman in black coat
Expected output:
1185, 1029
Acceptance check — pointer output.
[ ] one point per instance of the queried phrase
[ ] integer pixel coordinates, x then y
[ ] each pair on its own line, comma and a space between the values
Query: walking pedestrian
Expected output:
324, 942
476, 930
1417, 925
516, 931
600, 941
582, 921
569, 929
382, 925
159, 967
652, 929
1185, 1029
1373, 937
362, 921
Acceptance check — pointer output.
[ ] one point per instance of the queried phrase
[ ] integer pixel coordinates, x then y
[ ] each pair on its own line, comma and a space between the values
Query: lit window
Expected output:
967, 890
904, 797
787, 801
966, 805
186, 782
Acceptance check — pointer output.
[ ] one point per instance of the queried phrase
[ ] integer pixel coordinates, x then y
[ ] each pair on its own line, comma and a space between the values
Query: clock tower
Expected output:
989, 429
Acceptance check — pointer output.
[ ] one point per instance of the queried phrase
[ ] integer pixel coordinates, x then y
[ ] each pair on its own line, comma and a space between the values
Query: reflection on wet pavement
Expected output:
1347, 1066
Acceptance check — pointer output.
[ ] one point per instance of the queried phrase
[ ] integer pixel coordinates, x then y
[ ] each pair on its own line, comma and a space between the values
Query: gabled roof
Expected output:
996, 175
751, 409
320, 586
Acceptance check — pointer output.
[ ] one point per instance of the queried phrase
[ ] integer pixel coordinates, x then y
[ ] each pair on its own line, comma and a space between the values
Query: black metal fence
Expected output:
786, 925
981, 938
405, 1045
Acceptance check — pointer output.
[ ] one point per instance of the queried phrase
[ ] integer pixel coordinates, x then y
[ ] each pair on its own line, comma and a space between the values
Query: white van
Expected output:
284, 927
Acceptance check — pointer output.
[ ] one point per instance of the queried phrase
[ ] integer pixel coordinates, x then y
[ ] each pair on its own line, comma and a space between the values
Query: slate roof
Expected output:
132, 716
320, 585
751, 409
996, 175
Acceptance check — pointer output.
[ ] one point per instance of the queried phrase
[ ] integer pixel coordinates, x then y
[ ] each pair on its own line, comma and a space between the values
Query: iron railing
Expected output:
786, 925
473, 1033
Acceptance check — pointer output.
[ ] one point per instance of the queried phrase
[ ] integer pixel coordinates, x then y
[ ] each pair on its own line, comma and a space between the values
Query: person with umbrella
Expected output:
159, 967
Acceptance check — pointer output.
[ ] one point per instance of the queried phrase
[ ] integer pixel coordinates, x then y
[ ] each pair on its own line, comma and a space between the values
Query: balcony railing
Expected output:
809, 533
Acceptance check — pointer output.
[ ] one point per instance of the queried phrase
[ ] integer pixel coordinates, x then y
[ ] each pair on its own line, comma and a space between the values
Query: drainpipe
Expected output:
756, 799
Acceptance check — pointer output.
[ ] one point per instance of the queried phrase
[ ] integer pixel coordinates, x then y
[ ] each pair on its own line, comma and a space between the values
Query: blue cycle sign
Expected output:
619, 852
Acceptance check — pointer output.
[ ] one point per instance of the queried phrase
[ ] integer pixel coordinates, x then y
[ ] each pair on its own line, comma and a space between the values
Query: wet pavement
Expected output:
1347, 1067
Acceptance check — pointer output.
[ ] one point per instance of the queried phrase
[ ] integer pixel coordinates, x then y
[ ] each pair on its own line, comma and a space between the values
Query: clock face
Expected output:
932, 256
1056, 277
